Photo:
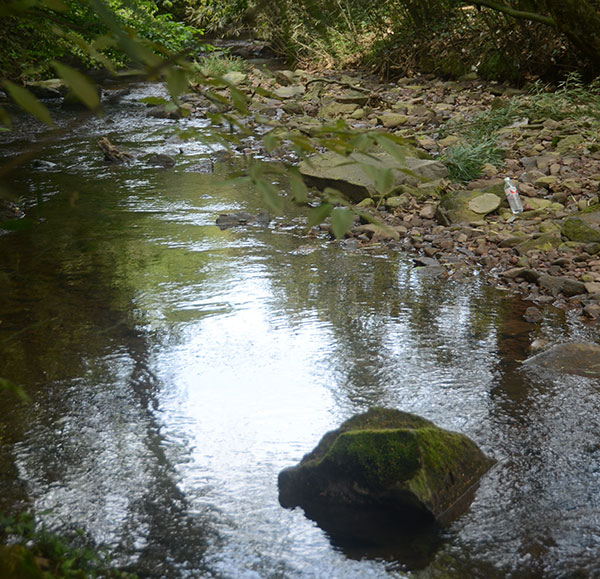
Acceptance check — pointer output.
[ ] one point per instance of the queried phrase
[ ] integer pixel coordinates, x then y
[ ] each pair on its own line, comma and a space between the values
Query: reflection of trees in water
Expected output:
69, 336
385, 314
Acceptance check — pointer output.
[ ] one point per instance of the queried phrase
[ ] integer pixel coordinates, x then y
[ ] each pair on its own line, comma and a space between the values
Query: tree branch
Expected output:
533, 16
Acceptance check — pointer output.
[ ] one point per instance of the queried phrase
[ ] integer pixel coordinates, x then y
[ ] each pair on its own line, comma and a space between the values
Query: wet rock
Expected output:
571, 358
353, 175
533, 315
161, 160
111, 153
388, 460
228, 220
165, 112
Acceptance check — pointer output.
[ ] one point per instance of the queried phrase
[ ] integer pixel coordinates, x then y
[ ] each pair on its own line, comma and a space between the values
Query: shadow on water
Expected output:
70, 338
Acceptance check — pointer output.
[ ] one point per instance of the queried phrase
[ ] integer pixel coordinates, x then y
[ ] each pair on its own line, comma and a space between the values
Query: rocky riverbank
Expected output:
549, 254
547, 143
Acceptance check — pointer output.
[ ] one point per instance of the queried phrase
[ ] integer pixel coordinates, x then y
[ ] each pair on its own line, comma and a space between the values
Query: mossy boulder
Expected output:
388, 460
455, 207
355, 175
584, 228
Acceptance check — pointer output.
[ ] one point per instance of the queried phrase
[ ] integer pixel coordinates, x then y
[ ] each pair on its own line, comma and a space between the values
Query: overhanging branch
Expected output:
533, 16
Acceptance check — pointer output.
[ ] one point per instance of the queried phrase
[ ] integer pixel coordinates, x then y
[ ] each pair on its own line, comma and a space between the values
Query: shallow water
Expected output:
176, 368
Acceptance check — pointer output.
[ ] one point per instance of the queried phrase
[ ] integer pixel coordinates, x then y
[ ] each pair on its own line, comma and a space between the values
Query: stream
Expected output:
175, 368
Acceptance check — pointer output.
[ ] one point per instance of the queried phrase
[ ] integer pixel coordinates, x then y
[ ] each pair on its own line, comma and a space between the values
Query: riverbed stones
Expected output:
389, 460
580, 358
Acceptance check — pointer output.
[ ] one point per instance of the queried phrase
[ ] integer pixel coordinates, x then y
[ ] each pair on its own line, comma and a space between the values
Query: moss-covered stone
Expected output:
386, 459
584, 229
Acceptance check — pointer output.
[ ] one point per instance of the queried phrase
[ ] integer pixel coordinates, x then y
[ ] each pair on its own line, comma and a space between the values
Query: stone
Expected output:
336, 109
235, 77
388, 460
355, 97
569, 143
449, 141
454, 207
484, 204
572, 358
585, 228
392, 120
289, 92
375, 230
546, 181
540, 242
285, 77
52, 88
353, 176
592, 287
161, 160
533, 315
228, 220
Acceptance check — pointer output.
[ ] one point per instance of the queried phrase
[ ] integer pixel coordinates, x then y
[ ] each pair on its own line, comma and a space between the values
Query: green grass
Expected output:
220, 64
572, 102
465, 161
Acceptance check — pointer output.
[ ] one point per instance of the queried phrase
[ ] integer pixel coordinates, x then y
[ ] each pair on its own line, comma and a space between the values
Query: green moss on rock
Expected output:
388, 459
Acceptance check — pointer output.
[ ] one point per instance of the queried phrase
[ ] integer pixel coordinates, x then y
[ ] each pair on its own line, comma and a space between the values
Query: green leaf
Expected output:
83, 88
17, 390
384, 181
270, 195
298, 187
318, 214
391, 146
341, 221
271, 142
4, 119
177, 81
28, 102
239, 100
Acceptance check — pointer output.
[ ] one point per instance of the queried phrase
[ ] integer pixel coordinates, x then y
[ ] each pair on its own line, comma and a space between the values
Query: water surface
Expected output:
176, 368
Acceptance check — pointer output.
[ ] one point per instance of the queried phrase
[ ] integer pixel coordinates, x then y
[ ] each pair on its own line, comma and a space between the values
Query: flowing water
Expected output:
176, 368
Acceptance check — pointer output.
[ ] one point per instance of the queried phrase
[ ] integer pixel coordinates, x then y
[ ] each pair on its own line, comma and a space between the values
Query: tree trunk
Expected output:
579, 21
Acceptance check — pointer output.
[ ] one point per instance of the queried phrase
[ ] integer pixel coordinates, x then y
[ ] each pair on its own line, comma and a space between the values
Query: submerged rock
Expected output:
227, 220
161, 160
388, 461
582, 359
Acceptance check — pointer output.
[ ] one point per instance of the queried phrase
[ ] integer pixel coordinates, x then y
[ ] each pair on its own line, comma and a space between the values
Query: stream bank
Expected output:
548, 254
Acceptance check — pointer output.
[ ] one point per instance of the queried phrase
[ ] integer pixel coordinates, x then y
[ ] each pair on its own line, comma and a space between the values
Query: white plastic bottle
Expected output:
512, 194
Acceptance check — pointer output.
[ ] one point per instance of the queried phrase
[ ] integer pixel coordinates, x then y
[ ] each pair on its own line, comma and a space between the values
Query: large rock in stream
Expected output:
579, 358
388, 462
353, 175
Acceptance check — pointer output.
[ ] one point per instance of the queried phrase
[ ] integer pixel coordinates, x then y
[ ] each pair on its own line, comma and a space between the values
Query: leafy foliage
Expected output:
39, 553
